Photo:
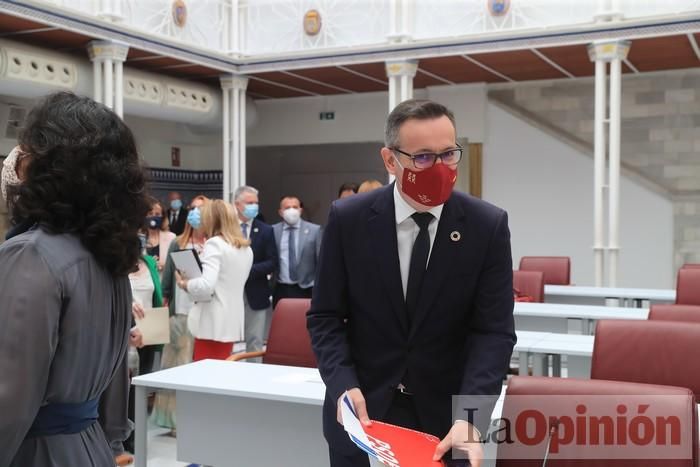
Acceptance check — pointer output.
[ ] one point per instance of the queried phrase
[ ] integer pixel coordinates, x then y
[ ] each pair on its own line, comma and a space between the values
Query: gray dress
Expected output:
64, 326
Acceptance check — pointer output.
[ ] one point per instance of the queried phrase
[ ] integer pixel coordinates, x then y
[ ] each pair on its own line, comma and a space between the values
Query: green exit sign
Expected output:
326, 116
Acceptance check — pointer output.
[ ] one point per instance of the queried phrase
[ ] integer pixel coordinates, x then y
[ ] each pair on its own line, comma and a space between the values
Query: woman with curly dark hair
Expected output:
66, 300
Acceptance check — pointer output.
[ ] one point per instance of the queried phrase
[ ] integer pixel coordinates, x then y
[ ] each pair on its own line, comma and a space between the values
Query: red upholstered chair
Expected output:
691, 266
670, 312
688, 286
555, 392
653, 352
556, 269
530, 284
289, 342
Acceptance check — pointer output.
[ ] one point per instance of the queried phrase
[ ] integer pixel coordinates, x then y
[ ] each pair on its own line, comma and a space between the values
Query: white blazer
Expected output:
218, 294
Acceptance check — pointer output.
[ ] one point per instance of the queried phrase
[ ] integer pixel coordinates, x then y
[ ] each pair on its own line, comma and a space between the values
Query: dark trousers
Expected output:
402, 413
289, 291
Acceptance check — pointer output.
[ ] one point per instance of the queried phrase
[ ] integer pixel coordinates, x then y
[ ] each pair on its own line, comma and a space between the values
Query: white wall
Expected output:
358, 117
547, 188
200, 148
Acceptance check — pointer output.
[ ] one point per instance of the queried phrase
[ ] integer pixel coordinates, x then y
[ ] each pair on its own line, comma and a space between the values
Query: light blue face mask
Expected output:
176, 204
194, 218
250, 211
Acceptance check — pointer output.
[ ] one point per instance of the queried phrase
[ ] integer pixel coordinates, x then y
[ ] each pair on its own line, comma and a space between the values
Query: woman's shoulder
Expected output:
58, 251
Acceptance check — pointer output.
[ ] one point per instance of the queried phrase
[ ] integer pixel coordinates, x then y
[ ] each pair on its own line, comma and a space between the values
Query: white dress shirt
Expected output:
284, 251
407, 231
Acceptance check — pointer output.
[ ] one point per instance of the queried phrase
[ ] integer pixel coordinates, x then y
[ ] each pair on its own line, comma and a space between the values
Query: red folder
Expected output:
401, 447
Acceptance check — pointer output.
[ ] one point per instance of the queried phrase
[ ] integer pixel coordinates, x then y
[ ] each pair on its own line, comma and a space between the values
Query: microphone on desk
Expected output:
552, 431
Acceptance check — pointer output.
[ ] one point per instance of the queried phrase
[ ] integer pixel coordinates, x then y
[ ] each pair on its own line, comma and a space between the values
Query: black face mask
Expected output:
154, 222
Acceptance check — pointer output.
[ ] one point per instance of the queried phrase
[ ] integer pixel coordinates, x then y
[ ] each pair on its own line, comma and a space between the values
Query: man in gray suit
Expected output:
298, 244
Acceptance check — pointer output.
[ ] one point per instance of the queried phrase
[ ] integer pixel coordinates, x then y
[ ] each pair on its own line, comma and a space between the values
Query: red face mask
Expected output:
429, 187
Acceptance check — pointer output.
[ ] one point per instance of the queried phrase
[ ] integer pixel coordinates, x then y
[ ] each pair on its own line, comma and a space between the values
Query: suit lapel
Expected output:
382, 230
277, 229
441, 257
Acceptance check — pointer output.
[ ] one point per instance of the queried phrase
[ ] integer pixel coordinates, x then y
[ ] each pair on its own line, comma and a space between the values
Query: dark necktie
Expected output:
292, 250
244, 229
419, 262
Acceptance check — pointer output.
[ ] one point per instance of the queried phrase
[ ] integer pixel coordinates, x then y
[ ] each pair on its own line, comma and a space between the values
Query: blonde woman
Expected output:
369, 185
216, 319
179, 350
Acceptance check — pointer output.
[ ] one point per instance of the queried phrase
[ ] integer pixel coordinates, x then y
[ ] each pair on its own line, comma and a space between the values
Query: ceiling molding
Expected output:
434, 76
363, 75
286, 86
553, 64
28, 31
488, 68
320, 83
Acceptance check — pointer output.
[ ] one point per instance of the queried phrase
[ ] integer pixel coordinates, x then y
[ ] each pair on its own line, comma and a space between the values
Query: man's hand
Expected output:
358, 401
464, 438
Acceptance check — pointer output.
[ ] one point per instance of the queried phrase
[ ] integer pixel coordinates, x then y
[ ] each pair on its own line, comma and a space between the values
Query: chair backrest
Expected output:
691, 266
671, 312
549, 395
556, 269
653, 352
289, 342
530, 283
688, 286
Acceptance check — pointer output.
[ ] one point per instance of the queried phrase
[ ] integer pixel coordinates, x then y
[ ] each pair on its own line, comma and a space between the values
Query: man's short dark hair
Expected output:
419, 109
347, 187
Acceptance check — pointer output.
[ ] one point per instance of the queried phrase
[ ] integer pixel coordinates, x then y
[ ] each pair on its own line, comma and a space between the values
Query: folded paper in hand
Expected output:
391, 445
155, 326
187, 263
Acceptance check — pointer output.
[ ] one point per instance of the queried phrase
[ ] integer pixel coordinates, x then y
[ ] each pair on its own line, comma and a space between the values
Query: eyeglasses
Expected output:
427, 159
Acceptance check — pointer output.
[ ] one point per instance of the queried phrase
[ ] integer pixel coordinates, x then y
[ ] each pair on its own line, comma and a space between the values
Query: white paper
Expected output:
353, 426
155, 326
186, 263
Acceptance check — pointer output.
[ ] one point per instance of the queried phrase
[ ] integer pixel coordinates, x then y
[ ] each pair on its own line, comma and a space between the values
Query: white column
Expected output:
97, 80
234, 98
119, 88
400, 20
614, 175
393, 17
227, 144
400, 74
108, 73
234, 22
109, 83
599, 173
602, 52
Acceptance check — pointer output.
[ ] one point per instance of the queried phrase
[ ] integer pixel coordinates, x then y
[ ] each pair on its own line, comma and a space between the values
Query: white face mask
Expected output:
291, 216
9, 172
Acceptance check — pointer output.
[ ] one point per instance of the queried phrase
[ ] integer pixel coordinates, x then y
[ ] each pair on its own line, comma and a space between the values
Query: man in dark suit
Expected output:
413, 301
257, 289
177, 213
299, 243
